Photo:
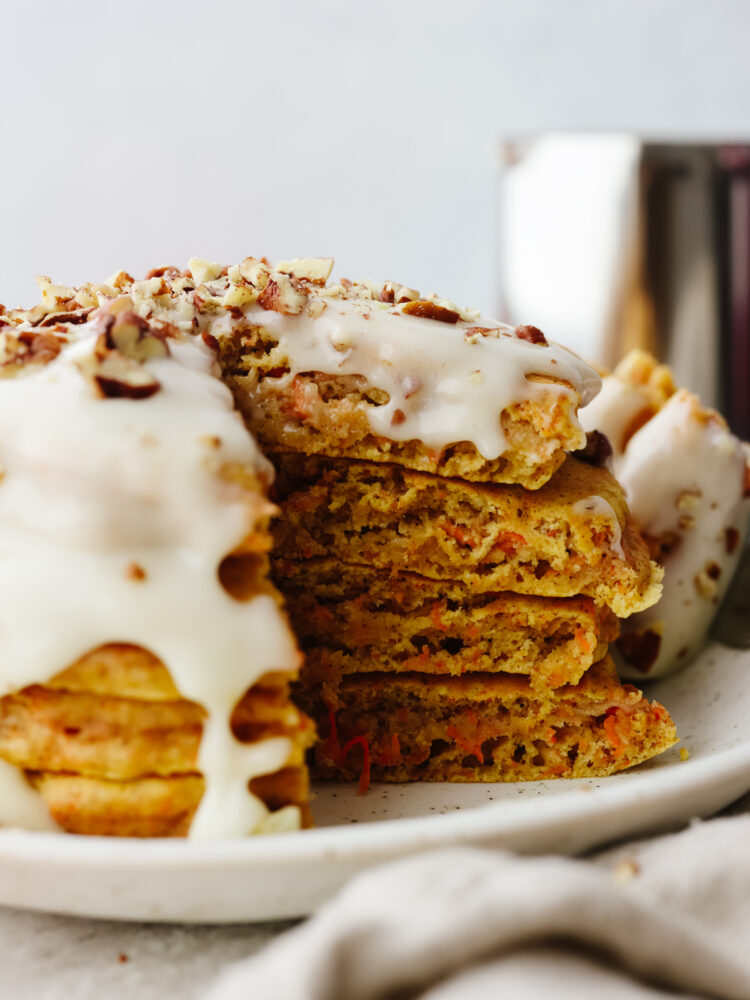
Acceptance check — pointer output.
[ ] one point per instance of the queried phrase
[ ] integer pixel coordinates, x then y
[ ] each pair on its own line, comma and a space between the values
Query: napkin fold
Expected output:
671, 914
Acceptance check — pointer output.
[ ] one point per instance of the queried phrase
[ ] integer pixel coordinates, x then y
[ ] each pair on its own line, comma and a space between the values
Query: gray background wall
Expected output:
142, 133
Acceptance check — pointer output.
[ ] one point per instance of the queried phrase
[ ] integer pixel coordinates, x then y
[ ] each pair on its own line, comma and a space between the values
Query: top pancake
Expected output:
368, 370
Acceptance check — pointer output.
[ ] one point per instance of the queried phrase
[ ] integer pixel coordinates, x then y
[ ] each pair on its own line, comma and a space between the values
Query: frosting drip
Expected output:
600, 507
91, 486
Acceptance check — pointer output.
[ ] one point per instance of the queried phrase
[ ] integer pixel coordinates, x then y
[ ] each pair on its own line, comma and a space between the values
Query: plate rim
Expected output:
352, 840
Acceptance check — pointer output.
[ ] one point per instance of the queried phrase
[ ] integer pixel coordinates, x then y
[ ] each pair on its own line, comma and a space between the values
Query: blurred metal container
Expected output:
611, 241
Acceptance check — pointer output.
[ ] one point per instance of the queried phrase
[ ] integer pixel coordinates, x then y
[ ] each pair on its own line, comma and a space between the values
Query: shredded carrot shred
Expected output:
469, 748
617, 728
391, 756
299, 403
584, 643
658, 711
458, 533
508, 541
364, 776
424, 655
554, 771
331, 746
436, 618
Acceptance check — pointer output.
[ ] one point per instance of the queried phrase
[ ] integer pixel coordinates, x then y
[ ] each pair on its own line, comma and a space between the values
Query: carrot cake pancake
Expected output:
483, 727
354, 619
687, 481
571, 536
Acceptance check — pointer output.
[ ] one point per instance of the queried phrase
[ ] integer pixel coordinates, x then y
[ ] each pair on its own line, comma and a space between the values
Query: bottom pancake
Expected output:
482, 727
161, 807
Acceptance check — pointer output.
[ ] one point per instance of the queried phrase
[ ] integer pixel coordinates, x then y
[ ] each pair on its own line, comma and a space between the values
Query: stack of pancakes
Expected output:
454, 611
452, 573
459, 631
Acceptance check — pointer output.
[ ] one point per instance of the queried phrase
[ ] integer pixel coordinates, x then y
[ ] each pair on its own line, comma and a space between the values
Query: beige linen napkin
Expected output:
667, 917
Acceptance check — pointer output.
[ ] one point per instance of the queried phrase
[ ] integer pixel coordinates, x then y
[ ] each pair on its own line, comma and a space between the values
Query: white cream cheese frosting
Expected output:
94, 485
446, 382
684, 476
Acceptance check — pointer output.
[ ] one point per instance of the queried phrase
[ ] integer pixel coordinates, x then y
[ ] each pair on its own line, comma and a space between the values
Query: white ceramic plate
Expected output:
288, 875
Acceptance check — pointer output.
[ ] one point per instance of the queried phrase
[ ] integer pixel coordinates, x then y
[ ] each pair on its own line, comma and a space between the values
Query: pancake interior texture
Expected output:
454, 576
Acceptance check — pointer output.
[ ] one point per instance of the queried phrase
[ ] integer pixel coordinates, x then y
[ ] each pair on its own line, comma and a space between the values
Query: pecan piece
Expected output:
281, 296
532, 334
132, 336
640, 649
430, 310
597, 450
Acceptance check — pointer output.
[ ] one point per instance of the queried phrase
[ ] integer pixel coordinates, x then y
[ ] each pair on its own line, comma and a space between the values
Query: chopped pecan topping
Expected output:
281, 296
114, 375
531, 333
597, 450
640, 649
79, 316
164, 272
473, 333
204, 270
404, 294
731, 540
115, 383
688, 499
43, 347
713, 571
316, 270
134, 337
705, 582
210, 341
29, 347
430, 310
